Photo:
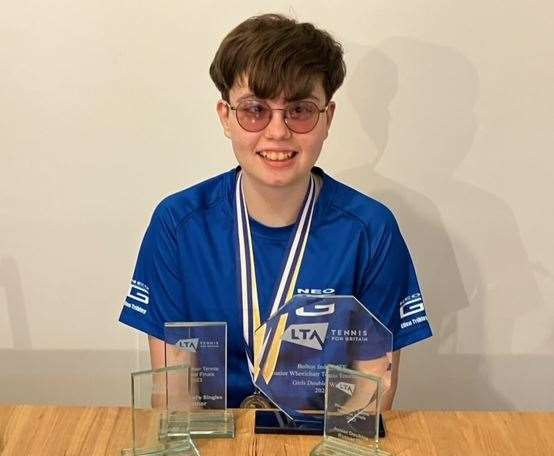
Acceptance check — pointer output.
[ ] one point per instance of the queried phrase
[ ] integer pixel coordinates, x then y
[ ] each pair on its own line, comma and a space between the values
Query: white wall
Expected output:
446, 116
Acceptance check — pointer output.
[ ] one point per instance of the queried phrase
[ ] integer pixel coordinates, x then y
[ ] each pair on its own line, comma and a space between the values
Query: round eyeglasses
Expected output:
255, 115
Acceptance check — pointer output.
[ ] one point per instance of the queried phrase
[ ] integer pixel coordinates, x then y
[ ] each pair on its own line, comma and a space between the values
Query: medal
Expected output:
256, 401
259, 343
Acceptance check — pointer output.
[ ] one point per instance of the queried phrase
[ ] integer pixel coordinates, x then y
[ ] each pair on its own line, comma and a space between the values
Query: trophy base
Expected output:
276, 422
331, 446
183, 447
198, 424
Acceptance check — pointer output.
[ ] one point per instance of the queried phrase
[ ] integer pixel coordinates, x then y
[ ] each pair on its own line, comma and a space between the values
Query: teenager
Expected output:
218, 251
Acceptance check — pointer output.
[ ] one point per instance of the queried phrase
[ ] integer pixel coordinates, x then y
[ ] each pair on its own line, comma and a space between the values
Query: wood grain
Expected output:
93, 431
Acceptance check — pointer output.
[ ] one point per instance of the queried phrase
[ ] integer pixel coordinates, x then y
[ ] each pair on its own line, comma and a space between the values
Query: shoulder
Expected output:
369, 213
176, 208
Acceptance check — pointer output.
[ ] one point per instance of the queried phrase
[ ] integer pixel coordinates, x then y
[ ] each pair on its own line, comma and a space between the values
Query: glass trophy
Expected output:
300, 340
202, 346
352, 411
157, 394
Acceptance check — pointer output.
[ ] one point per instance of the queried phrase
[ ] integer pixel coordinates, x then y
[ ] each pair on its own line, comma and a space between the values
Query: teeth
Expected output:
276, 156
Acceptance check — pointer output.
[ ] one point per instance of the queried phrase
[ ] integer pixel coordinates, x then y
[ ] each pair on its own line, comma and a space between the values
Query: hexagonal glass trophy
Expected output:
203, 346
302, 338
157, 394
352, 410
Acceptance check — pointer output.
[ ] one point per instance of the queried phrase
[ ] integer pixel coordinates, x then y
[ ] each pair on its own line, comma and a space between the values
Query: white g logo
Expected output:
324, 309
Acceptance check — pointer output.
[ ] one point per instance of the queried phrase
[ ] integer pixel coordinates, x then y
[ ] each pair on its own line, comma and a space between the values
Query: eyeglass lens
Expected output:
255, 115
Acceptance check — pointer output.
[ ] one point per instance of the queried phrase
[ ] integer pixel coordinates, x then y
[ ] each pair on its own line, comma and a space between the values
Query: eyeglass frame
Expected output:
319, 112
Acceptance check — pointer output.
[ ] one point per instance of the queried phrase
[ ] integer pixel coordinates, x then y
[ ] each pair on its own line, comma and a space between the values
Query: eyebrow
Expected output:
251, 95
310, 96
247, 95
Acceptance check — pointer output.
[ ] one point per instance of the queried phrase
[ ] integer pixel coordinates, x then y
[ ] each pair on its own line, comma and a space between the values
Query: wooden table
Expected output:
66, 431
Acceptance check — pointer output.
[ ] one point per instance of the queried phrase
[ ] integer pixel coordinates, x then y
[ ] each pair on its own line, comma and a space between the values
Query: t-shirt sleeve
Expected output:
155, 293
390, 287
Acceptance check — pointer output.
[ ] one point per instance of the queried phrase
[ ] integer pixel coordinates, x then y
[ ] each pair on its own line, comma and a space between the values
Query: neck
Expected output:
274, 206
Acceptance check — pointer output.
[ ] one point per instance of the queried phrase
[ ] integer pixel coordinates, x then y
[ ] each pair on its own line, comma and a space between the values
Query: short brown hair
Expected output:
278, 54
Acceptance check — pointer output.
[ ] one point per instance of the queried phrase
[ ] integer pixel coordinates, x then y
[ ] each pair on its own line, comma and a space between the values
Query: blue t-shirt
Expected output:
187, 266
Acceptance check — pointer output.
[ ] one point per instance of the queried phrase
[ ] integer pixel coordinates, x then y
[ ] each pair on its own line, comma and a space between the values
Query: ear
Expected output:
329, 117
224, 114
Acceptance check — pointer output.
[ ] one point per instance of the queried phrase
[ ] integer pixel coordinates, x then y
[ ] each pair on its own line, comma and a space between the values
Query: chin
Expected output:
285, 181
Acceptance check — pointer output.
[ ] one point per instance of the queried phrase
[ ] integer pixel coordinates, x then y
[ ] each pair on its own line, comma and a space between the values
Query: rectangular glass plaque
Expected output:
157, 394
352, 410
203, 346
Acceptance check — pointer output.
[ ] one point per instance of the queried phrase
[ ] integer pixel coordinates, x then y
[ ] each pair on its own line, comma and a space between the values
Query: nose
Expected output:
277, 129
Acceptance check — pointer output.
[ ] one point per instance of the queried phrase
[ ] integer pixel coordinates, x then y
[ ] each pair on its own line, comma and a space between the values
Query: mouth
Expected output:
277, 155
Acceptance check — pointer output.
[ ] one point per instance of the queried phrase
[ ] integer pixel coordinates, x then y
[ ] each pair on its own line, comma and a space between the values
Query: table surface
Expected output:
55, 430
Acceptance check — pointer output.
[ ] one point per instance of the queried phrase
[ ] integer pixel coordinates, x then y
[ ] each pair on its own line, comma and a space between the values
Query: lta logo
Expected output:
345, 387
310, 335
190, 345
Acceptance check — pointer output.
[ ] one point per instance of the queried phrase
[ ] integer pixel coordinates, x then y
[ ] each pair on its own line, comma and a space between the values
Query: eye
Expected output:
301, 110
253, 108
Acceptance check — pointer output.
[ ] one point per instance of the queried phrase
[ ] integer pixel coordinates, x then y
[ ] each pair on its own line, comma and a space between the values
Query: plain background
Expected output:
446, 116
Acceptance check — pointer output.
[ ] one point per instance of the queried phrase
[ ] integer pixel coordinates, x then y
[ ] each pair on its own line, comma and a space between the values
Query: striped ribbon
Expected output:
263, 344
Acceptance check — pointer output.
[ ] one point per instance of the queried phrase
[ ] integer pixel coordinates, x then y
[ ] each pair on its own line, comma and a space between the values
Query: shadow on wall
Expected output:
68, 377
10, 280
473, 295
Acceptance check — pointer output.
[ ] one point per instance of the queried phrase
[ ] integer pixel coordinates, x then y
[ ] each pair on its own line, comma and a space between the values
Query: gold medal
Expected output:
256, 401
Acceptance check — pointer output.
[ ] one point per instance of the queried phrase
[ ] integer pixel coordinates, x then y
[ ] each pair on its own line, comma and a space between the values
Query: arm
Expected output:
379, 367
157, 361
157, 352
174, 357
391, 391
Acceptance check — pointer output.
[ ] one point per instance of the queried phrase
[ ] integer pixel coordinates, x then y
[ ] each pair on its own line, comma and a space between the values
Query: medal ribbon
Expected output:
254, 333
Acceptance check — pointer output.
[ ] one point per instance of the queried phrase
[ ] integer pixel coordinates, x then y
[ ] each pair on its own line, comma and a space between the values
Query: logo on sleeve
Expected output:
138, 296
410, 306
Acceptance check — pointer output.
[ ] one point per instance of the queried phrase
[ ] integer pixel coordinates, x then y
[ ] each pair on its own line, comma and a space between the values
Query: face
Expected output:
275, 156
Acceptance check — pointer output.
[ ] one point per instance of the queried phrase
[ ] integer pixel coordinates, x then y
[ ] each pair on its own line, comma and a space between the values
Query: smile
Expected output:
277, 155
